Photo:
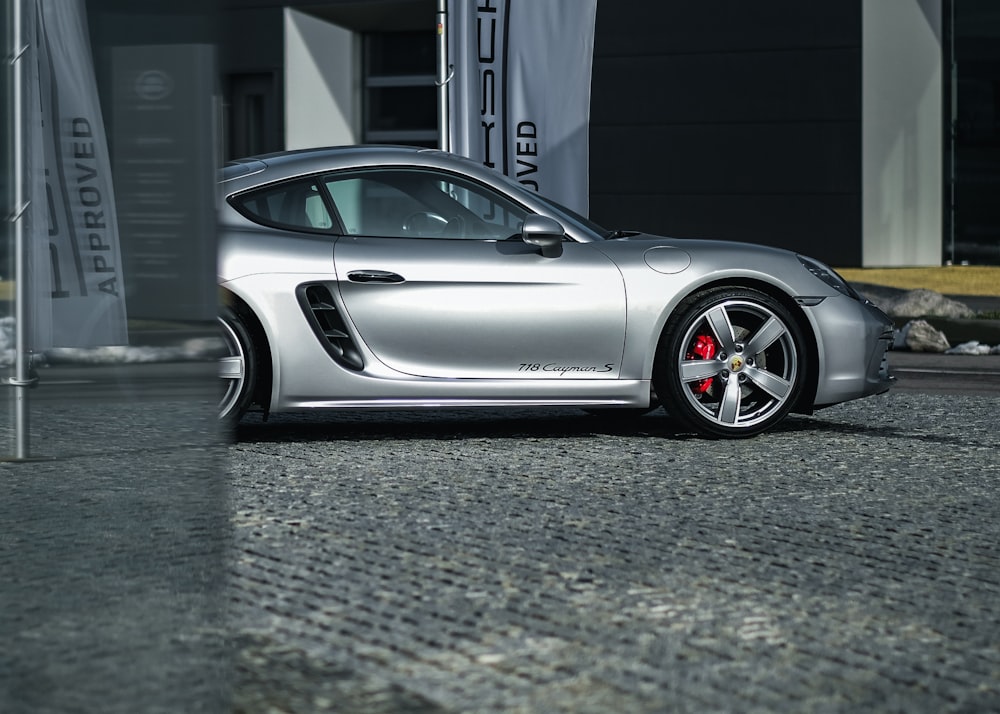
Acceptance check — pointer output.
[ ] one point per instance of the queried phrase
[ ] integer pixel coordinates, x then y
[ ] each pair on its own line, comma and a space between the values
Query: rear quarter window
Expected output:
296, 205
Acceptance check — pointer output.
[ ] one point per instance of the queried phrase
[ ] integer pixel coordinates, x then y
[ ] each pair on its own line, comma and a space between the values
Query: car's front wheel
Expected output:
731, 362
238, 367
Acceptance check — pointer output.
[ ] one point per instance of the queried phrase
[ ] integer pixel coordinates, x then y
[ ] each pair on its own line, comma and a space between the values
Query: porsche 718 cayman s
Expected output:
392, 278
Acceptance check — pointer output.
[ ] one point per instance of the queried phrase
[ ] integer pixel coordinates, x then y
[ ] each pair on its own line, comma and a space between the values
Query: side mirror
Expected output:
544, 232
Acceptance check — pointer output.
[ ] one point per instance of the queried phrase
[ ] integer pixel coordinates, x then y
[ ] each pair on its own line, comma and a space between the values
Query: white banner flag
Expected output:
519, 101
78, 291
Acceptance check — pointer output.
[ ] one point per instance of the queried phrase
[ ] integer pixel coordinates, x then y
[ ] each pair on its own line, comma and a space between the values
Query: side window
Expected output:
413, 203
369, 205
296, 204
494, 215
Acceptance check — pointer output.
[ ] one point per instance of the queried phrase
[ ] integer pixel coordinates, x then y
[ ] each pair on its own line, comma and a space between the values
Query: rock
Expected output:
973, 347
878, 294
6, 333
921, 336
917, 303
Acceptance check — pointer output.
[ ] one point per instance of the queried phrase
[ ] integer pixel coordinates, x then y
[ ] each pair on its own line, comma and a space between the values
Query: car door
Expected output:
437, 282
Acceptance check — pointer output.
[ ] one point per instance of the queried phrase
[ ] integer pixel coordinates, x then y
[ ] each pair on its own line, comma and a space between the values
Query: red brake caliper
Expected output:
703, 347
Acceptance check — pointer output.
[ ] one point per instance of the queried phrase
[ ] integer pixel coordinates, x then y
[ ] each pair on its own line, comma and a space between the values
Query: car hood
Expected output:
649, 240
702, 260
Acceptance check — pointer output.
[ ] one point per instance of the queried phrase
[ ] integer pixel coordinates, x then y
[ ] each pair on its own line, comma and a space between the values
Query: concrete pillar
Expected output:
322, 83
902, 133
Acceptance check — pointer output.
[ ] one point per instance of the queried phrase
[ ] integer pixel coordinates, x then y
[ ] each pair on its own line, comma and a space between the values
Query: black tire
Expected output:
238, 369
731, 362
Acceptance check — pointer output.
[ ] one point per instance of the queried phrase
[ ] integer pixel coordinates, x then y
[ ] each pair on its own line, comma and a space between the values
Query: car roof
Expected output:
285, 164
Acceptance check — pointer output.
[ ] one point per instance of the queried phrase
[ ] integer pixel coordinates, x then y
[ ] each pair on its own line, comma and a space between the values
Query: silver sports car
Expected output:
388, 277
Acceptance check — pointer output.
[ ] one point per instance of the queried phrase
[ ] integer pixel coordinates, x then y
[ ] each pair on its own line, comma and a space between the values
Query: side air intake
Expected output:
327, 323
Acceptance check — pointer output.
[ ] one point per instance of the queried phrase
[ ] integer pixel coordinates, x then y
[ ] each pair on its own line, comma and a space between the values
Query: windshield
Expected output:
575, 217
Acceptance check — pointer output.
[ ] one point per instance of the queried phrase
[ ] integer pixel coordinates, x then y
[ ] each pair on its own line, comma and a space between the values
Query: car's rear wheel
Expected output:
238, 368
731, 362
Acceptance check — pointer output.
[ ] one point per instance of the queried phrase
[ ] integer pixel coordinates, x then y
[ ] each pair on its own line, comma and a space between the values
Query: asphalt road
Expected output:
946, 374
501, 561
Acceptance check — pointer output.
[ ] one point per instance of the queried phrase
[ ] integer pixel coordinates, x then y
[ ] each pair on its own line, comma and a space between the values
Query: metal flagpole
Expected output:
444, 75
23, 378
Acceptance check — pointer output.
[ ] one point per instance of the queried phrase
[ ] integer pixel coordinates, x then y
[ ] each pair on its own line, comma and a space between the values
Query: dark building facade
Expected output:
730, 120
865, 133
972, 102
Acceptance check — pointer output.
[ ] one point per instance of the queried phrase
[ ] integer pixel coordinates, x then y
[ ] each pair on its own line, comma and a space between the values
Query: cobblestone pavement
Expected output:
498, 561
552, 562
112, 552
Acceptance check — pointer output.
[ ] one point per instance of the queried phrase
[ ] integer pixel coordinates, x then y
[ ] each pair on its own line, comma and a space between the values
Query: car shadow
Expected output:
825, 426
457, 424
569, 423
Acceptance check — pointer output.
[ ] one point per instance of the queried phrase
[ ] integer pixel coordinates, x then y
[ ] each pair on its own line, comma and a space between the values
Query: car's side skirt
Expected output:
486, 393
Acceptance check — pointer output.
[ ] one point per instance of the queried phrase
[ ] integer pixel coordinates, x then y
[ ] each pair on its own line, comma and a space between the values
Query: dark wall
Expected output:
729, 119
974, 86
251, 63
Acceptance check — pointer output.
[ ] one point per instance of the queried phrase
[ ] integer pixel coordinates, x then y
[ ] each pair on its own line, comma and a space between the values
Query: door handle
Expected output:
374, 276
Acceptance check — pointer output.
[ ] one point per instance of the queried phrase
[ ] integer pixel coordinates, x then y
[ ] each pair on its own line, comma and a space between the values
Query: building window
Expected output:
251, 119
400, 101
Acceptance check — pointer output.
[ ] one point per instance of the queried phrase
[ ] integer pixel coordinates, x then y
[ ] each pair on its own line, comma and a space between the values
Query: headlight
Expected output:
829, 276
